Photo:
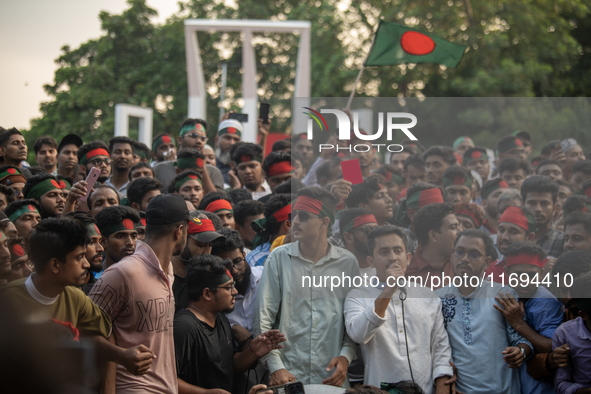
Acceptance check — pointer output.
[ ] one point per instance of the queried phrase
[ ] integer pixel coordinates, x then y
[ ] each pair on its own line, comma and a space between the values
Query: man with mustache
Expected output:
13, 149
46, 154
577, 232
49, 193
25, 216
118, 231
539, 195
229, 134
354, 225
95, 154
121, 149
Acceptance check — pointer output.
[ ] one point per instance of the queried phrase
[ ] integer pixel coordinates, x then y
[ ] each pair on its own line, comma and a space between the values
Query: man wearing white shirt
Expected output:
401, 333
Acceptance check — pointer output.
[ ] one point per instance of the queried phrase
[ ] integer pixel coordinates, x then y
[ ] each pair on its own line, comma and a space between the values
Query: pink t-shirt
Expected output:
137, 295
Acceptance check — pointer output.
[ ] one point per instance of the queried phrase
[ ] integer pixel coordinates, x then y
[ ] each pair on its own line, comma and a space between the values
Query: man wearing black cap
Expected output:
67, 155
137, 295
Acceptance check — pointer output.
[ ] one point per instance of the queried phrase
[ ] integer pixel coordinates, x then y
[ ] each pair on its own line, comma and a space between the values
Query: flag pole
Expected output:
348, 108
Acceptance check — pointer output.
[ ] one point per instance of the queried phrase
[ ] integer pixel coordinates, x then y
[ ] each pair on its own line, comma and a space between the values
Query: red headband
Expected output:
283, 167
364, 219
282, 214
402, 194
430, 196
525, 259
308, 204
97, 152
516, 216
206, 225
218, 205
470, 214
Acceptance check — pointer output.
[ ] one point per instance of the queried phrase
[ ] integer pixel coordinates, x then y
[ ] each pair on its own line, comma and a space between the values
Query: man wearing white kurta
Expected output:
375, 318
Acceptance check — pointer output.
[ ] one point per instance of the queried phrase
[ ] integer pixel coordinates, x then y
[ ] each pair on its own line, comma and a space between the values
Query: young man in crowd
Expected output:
141, 153
303, 146
5, 263
577, 233
373, 319
277, 168
163, 148
13, 149
6, 197
394, 180
572, 153
94, 249
324, 356
469, 215
246, 161
437, 159
229, 134
490, 193
20, 265
414, 170
457, 184
539, 195
538, 313
121, 149
117, 226
513, 172
581, 172
102, 197
140, 170
372, 195
46, 154
354, 226
95, 155
461, 145
67, 155
13, 178
550, 168
435, 227
141, 191
417, 196
206, 358
25, 216
397, 159
475, 328
219, 204
188, 185
48, 192
275, 224
246, 212
510, 147
209, 155
136, 294
476, 159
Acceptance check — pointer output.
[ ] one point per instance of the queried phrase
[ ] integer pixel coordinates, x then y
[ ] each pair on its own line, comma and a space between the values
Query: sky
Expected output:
32, 33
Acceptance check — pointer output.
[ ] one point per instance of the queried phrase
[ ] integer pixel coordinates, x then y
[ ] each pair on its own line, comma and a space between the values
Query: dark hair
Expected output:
539, 184
120, 140
172, 184
9, 193
55, 238
349, 214
275, 157
381, 231
583, 166
291, 186
84, 217
211, 197
35, 179
415, 161
562, 182
481, 234
362, 192
513, 165
15, 205
575, 263
5, 136
247, 208
445, 152
189, 153
452, 171
138, 188
142, 147
231, 243
101, 186
388, 168
201, 270
281, 145
575, 204
295, 155
36, 170
323, 170
215, 220
245, 148
193, 122
141, 164
321, 194
547, 162
238, 195
84, 149
367, 389
275, 203
581, 289
428, 218
115, 214
572, 220
528, 248
46, 140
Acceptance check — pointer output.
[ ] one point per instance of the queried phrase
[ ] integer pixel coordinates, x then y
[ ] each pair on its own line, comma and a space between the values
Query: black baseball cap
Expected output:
166, 209
70, 139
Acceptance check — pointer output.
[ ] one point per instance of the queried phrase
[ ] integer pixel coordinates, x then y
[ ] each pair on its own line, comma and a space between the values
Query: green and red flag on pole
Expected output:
396, 44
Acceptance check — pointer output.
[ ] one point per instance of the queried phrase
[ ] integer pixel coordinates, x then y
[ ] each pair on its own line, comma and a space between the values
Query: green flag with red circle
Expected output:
397, 44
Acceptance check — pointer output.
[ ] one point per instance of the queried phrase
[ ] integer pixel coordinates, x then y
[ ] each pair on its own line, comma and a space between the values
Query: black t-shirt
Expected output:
181, 293
204, 355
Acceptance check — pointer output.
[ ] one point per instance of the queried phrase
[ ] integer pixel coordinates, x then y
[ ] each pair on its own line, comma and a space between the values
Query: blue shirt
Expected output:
257, 257
543, 313
478, 334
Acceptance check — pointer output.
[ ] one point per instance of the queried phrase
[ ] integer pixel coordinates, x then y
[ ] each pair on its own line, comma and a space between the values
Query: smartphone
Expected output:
90, 181
264, 112
242, 118
288, 388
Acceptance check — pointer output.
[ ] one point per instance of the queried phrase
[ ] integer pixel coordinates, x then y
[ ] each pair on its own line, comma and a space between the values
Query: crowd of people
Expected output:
217, 269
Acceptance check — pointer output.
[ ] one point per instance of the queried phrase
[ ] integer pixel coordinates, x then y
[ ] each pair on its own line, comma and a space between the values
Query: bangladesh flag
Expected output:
397, 44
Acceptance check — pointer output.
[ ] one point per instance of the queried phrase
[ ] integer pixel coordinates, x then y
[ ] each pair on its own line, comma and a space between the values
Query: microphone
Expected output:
403, 293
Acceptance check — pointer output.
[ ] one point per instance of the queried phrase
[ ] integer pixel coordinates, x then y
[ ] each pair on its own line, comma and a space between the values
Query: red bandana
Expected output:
524, 259
516, 216
219, 205
280, 168
308, 204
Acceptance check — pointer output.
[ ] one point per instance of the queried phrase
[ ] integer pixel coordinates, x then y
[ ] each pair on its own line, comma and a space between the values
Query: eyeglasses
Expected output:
232, 285
367, 230
97, 162
197, 136
472, 255
303, 215
239, 262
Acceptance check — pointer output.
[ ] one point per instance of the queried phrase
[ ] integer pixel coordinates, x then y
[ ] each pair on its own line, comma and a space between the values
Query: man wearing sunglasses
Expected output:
288, 301
277, 222
355, 225
95, 154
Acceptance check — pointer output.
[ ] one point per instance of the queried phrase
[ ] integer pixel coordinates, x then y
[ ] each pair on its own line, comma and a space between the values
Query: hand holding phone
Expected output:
90, 181
264, 112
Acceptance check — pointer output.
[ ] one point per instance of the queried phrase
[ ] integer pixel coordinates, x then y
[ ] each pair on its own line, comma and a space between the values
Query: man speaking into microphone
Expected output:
393, 324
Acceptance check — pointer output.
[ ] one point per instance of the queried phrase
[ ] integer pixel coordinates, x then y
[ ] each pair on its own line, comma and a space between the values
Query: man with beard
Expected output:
163, 148
46, 154
94, 249
137, 295
117, 226
206, 360
246, 161
577, 232
355, 224
25, 216
49, 193
490, 193
121, 149
141, 191
13, 149
246, 212
229, 134
200, 236
67, 155
95, 154
437, 160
